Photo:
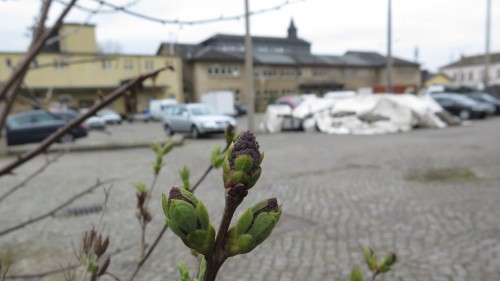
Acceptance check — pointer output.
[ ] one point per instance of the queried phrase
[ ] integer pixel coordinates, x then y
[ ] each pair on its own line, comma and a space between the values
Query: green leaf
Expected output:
167, 147
197, 238
164, 204
183, 214
203, 266
184, 271
141, 187
245, 221
189, 196
356, 274
175, 228
184, 174
261, 226
202, 215
243, 163
246, 243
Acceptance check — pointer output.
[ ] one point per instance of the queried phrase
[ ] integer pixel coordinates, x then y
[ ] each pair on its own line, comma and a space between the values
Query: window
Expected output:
224, 70
128, 65
320, 72
107, 64
149, 65
58, 64
471, 76
349, 73
237, 95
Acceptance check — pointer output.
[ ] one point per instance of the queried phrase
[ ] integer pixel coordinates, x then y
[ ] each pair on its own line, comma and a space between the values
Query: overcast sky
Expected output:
442, 30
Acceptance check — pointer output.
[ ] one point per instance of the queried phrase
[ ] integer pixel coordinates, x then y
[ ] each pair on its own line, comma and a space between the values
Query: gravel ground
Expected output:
339, 193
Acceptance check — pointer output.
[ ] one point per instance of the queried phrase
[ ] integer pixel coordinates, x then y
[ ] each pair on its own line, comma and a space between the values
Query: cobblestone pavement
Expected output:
339, 194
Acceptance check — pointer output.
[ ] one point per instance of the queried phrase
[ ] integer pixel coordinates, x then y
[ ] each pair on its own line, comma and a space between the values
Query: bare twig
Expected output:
112, 276
47, 163
77, 121
5, 272
60, 270
56, 209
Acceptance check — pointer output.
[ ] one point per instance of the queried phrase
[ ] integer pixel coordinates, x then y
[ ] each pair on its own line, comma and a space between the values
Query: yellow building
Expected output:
437, 79
74, 71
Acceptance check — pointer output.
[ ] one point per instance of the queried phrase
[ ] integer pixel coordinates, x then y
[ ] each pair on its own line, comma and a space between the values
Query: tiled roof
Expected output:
473, 60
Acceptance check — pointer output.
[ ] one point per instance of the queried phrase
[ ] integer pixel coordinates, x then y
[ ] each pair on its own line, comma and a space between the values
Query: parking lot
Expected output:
429, 195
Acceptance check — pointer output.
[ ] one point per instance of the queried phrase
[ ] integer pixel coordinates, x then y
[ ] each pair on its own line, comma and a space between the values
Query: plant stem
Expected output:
219, 256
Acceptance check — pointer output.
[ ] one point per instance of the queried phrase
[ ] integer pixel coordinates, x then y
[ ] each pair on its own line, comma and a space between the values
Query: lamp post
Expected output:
487, 59
389, 47
249, 70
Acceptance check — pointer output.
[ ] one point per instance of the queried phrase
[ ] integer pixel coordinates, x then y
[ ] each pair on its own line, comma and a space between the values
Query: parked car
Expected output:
36, 125
195, 118
461, 106
93, 122
241, 109
109, 116
292, 101
486, 98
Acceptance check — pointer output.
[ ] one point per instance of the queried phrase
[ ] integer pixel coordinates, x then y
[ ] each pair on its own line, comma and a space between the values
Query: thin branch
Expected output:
77, 121
47, 163
112, 276
60, 270
165, 227
194, 22
56, 209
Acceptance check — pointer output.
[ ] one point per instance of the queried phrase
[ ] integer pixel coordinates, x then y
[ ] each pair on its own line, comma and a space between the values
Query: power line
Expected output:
124, 9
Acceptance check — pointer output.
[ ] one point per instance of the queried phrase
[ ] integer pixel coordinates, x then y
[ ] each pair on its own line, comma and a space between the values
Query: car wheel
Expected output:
195, 134
464, 114
168, 131
67, 138
118, 122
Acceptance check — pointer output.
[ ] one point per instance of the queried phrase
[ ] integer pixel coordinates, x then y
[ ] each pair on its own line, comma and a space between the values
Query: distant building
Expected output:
282, 66
77, 74
433, 79
469, 71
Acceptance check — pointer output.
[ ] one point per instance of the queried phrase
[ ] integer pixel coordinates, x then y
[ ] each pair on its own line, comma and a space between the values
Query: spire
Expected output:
292, 30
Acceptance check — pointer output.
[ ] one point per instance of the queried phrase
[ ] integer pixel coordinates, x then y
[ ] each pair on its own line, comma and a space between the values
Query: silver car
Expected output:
194, 118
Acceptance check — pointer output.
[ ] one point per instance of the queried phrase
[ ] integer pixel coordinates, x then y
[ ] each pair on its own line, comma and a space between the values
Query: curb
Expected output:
177, 140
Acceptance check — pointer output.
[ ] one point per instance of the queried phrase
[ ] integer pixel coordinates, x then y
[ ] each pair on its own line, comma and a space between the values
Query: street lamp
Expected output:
389, 47
249, 70
487, 58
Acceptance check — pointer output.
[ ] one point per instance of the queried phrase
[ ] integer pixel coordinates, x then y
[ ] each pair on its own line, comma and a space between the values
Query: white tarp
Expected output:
373, 114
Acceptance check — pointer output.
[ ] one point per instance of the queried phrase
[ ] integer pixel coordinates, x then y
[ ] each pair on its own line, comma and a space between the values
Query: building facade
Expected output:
469, 71
75, 73
282, 66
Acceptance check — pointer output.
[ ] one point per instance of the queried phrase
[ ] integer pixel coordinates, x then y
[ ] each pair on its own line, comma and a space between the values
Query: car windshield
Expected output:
488, 97
202, 110
463, 100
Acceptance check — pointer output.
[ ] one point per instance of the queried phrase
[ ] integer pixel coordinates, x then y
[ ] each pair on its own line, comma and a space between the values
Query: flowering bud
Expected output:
253, 227
242, 163
370, 258
389, 261
188, 218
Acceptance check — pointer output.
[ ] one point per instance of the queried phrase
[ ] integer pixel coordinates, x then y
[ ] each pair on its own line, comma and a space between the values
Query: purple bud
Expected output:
272, 206
246, 144
176, 194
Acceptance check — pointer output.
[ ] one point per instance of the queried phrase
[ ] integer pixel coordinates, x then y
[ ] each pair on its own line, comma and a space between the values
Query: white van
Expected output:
156, 107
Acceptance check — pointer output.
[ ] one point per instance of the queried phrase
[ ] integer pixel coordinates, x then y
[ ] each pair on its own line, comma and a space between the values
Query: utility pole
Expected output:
389, 47
249, 70
487, 59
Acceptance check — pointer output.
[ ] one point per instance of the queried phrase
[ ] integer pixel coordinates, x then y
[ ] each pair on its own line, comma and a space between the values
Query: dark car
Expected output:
36, 125
241, 109
486, 98
461, 106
